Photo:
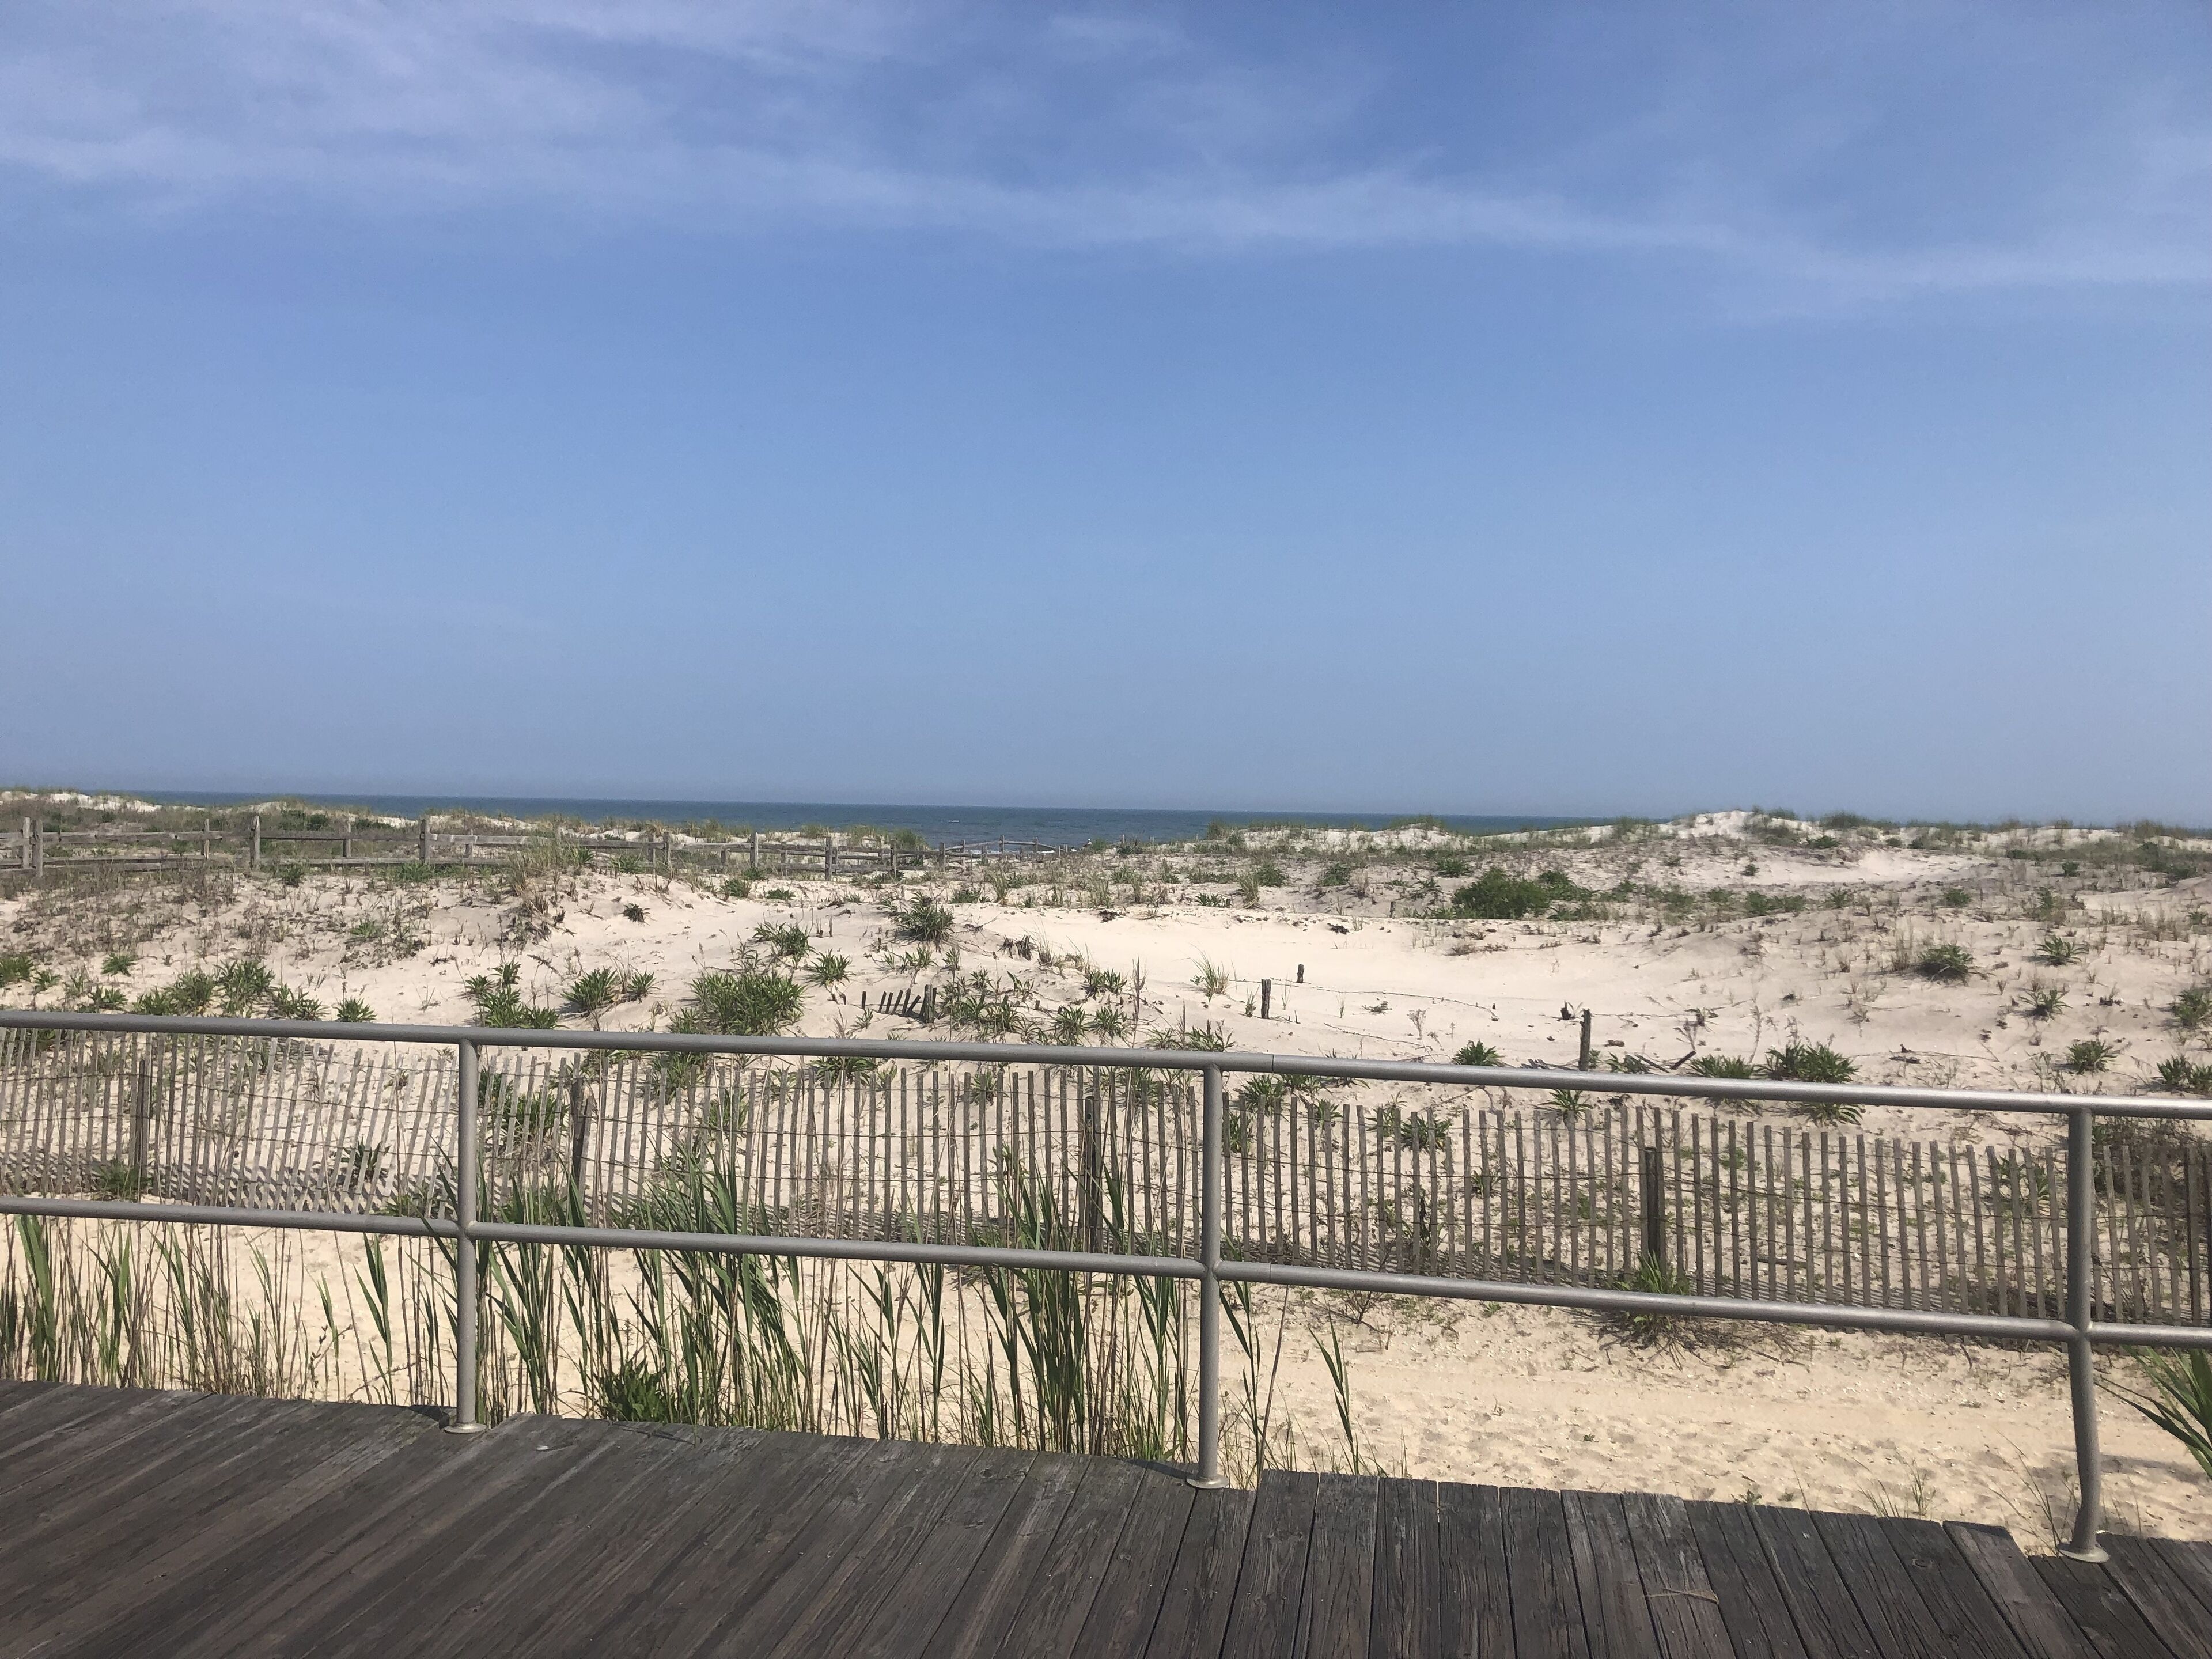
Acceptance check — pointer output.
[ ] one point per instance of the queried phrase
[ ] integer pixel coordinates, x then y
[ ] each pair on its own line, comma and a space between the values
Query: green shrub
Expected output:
747, 1002
736, 887
1451, 866
290, 875
1948, 962
1337, 872
778, 895
116, 963
15, 968
2044, 1000
1267, 873
828, 969
1478, 1054
2055, 951
1498, 896
1957, 898
354, 1011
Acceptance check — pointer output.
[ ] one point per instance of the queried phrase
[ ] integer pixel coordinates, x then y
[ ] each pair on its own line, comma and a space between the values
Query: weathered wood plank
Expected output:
1338, 1602
1127, 1605
2101, 1609
1474, 1595
901, 1626
1752, 1604
1547, 1611
1819, 1600
1056, 1600
990, 1600
1685, 1608
1965, 1616
2192, 1564
2164, 1599
1880, 1586
1616, 1614
1263, 1621
1195, 1611
2034, 1614
1407, 1572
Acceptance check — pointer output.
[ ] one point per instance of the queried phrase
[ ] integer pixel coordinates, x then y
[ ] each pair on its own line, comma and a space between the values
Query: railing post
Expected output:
465, 1255
1209, 1288
2081, 1308
254, 857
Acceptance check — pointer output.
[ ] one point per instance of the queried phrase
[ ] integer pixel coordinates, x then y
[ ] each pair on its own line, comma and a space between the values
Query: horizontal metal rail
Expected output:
2080, 1332
1183, 1060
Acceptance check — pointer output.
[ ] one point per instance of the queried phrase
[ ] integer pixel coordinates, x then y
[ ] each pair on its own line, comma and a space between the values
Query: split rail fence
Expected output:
1452, 1185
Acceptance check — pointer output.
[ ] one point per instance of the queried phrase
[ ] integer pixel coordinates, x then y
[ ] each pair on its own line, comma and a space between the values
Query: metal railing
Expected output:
2080, 1332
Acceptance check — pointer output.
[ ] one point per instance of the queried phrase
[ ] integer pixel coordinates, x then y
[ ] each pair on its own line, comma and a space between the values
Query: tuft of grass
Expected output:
290, 874
1655, 1329
746, 1002
925, 921
2174, 1391
2044, 1000
1809, 1062
1949, 963
2192, 1009
633, 912
116, 963
354, 1011
593, 993
1957, 898
1478, 1054
1728, 1066
16, 968
2056, 952
242, 987
285, 1003
828, 969
1208, 1038
737, 887
2183, 1076
2091, 1055
787, 941
1212, 980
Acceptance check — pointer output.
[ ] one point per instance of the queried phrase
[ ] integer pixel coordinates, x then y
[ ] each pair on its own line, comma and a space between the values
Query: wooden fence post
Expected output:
1655, 1207
207, 835
254, 846
753, 859
1267, 996
141, 1110
425, 854
38, 847
578, 1130
828, 855
1584, 1063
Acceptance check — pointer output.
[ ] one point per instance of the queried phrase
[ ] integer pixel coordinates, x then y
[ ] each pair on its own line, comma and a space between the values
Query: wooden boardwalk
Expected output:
194, 1524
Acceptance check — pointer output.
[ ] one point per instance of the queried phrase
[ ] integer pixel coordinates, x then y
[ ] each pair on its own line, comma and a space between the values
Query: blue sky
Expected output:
1544, 408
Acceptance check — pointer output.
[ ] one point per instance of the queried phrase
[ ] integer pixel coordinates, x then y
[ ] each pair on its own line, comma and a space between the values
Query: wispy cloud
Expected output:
1831, 158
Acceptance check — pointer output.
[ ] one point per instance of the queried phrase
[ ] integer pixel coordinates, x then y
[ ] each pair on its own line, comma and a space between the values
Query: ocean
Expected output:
1065, 826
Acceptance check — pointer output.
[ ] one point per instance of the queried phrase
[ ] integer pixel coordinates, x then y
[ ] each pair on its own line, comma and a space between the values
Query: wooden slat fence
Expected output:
1753, 1207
